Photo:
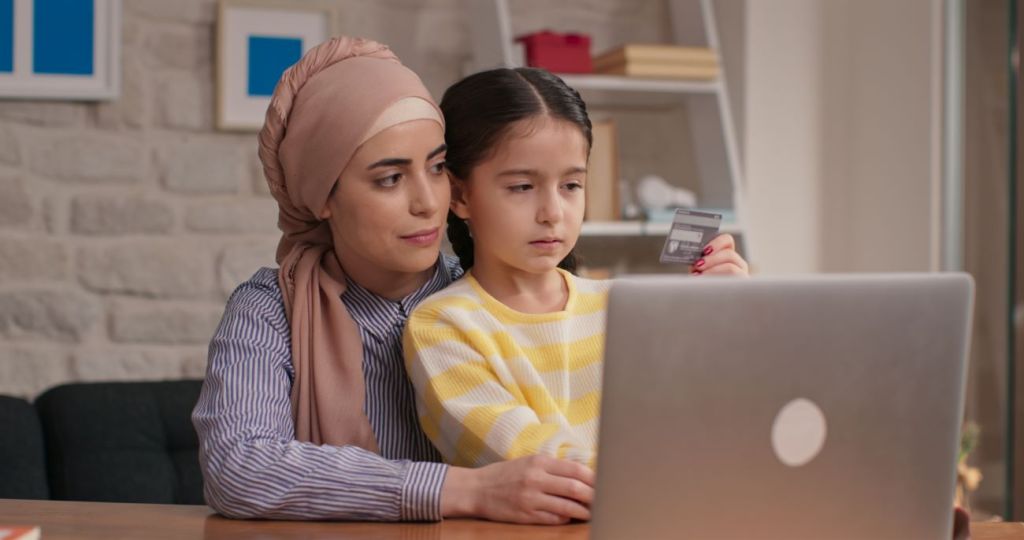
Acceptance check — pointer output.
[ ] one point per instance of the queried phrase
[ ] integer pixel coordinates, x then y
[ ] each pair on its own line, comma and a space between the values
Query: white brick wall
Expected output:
125, 225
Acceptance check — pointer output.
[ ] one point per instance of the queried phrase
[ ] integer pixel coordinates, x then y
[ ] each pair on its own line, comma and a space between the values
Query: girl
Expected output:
506, 362
306, 411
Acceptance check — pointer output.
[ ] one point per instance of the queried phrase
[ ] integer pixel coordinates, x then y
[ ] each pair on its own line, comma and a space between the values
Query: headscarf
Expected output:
340, 94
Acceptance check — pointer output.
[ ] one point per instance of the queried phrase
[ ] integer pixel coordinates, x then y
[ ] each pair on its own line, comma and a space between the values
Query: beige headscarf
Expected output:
337, 96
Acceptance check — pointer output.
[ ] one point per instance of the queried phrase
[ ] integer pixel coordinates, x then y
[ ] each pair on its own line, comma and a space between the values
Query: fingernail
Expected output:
697, 272
708, 250
699, 263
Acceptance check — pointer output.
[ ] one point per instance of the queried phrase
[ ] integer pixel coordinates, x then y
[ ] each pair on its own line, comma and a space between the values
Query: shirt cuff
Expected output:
421, 493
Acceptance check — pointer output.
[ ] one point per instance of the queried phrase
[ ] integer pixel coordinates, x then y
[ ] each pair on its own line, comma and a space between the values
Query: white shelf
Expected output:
616, 83
708, 117
639, 228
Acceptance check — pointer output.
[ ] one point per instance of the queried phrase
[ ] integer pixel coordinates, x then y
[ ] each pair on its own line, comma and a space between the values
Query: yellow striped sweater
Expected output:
493, 383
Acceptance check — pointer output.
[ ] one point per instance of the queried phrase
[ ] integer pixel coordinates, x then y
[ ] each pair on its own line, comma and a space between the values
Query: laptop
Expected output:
794, 407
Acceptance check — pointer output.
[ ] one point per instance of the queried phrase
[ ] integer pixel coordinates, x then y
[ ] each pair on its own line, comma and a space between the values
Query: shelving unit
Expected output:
709, 119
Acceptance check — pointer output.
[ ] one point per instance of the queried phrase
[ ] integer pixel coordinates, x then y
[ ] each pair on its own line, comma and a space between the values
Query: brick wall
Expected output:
125, 225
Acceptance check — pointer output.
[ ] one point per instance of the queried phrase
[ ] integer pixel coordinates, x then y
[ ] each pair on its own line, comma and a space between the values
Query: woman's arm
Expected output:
253, 467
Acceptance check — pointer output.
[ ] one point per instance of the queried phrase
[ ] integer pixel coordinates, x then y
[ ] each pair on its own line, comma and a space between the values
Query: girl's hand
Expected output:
539, 490
720, 258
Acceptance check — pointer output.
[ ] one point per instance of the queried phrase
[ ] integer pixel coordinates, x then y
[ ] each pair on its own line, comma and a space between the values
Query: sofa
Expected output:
106, 441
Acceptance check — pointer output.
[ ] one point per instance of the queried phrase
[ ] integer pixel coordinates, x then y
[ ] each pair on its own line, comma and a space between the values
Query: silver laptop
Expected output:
800, 407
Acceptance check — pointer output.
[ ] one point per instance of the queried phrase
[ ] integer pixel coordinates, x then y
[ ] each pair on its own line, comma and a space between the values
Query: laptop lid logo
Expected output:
798, 432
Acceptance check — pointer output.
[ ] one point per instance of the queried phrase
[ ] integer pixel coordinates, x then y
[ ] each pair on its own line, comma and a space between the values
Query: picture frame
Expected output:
66, 51
256, 41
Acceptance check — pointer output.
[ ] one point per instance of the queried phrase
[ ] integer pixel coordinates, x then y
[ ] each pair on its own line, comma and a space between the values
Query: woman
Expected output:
306, 411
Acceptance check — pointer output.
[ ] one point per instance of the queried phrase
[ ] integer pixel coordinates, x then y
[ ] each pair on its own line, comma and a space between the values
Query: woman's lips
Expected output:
425, 237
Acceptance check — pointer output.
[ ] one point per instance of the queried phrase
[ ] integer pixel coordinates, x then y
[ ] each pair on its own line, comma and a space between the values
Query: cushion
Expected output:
22, 463
122, 442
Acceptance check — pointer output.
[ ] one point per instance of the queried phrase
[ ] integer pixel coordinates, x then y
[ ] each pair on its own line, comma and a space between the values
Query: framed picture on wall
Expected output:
60, 49
256, 41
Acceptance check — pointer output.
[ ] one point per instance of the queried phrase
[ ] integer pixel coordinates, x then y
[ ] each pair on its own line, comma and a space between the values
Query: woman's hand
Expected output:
720, 258
534, 490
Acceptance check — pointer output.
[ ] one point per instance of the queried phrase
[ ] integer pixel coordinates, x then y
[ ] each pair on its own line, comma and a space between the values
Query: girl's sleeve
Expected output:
472, 414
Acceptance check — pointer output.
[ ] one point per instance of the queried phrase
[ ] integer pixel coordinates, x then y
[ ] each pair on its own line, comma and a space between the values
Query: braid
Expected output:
462, 242
570, 262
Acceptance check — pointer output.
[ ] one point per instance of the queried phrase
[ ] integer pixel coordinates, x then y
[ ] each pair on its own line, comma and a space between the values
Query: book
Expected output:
602, 188
19, 532
671, 54
662, 70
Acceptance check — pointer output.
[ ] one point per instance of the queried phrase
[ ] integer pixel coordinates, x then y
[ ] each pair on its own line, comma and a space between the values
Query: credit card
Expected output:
690, 233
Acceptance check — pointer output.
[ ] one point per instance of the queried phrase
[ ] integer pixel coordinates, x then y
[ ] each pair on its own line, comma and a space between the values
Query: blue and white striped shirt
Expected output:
252, 465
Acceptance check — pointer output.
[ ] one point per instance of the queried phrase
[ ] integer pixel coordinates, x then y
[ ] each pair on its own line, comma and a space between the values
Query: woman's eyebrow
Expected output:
390, 162
437, 151
400, 162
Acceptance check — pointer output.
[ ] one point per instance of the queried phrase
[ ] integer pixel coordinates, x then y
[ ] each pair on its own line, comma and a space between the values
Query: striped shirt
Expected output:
493, 383
252, 465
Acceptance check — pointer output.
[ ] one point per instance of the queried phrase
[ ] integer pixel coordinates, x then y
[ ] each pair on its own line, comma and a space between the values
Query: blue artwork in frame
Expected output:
62, 37
60, 49
269, 56
6, 36
257, 40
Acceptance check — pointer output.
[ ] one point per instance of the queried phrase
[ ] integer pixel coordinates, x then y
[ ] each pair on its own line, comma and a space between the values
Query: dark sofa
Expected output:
113, 442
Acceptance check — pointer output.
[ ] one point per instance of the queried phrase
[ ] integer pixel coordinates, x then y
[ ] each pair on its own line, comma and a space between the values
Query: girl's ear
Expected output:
459, 205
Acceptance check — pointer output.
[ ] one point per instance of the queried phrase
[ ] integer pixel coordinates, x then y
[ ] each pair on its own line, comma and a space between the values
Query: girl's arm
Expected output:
721, 258
470, 416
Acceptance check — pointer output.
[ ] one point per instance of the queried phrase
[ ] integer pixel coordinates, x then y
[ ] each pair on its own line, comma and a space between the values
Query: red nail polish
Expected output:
699, 263
697, 272
708, 250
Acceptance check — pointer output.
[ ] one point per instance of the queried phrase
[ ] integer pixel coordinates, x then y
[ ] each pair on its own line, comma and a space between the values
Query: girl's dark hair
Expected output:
478, 112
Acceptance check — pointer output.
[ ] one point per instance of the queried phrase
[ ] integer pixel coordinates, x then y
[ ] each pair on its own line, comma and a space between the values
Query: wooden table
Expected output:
107, 521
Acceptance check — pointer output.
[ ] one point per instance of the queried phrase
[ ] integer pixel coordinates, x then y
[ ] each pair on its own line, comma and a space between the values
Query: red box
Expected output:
559, 53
